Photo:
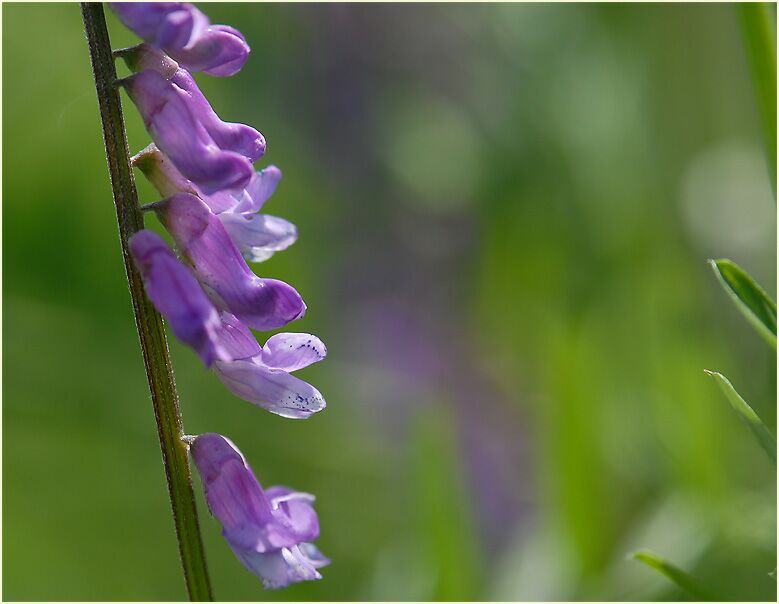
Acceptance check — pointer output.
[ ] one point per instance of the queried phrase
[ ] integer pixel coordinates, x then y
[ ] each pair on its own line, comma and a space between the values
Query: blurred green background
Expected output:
504, 214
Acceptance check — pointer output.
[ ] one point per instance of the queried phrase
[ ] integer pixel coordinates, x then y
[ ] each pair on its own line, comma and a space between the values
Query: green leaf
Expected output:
757, 24
681, 578
754, 303
747, 414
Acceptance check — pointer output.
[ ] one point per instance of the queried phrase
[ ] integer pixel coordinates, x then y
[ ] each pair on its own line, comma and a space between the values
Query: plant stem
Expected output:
147, 320
757, 22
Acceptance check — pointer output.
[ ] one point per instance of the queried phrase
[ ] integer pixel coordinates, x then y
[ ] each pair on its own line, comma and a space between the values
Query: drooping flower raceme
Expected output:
202, 166
270, 531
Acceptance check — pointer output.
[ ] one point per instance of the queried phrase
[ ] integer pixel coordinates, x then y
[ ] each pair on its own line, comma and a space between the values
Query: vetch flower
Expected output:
203, 240
261, 375
183, 137
228, 136
186, 34
178, 296
257, 236
269, 531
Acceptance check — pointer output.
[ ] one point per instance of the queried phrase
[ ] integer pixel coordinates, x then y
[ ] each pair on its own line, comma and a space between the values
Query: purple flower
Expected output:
220, 51
269, 531
178, 296
257, 236
262, 377
180, 134
202, 239
186, 34
228, 136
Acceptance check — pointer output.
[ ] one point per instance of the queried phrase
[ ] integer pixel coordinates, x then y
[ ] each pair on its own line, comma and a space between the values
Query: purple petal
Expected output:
259, 236
278, 569
175, 292
161, 23
274, 390
292, 351
294, 510
258, 191
229, 136
236, 498
220, 51
236, 338
200, 235
179, 135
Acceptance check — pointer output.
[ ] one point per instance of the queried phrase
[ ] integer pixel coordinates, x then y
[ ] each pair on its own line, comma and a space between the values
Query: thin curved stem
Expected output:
148, 321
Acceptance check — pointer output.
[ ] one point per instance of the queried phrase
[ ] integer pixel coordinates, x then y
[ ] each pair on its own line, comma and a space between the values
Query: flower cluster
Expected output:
212, 195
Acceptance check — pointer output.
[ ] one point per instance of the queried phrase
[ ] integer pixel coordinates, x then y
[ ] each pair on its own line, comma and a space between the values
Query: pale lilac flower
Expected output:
178, 296
257, 236
186, 34
261, 375
202, 239
183, 137
270, 531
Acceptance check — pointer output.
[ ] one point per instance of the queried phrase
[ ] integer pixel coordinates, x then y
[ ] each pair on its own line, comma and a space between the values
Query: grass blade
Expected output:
757, 23
747, 414
756, 305
679, 577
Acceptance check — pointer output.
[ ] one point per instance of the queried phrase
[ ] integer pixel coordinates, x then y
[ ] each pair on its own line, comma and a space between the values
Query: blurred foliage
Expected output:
505, 213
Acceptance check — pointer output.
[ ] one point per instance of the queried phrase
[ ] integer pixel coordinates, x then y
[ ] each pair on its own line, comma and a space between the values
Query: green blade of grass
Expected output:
747, 414
756, 305
757, 23
675, 574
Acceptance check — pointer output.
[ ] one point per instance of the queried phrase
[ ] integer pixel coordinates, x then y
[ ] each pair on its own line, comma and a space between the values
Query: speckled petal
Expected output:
292, 351
272, 389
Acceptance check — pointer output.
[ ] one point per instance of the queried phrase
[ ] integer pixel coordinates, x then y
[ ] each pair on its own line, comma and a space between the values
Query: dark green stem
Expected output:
147, 320
758, 25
